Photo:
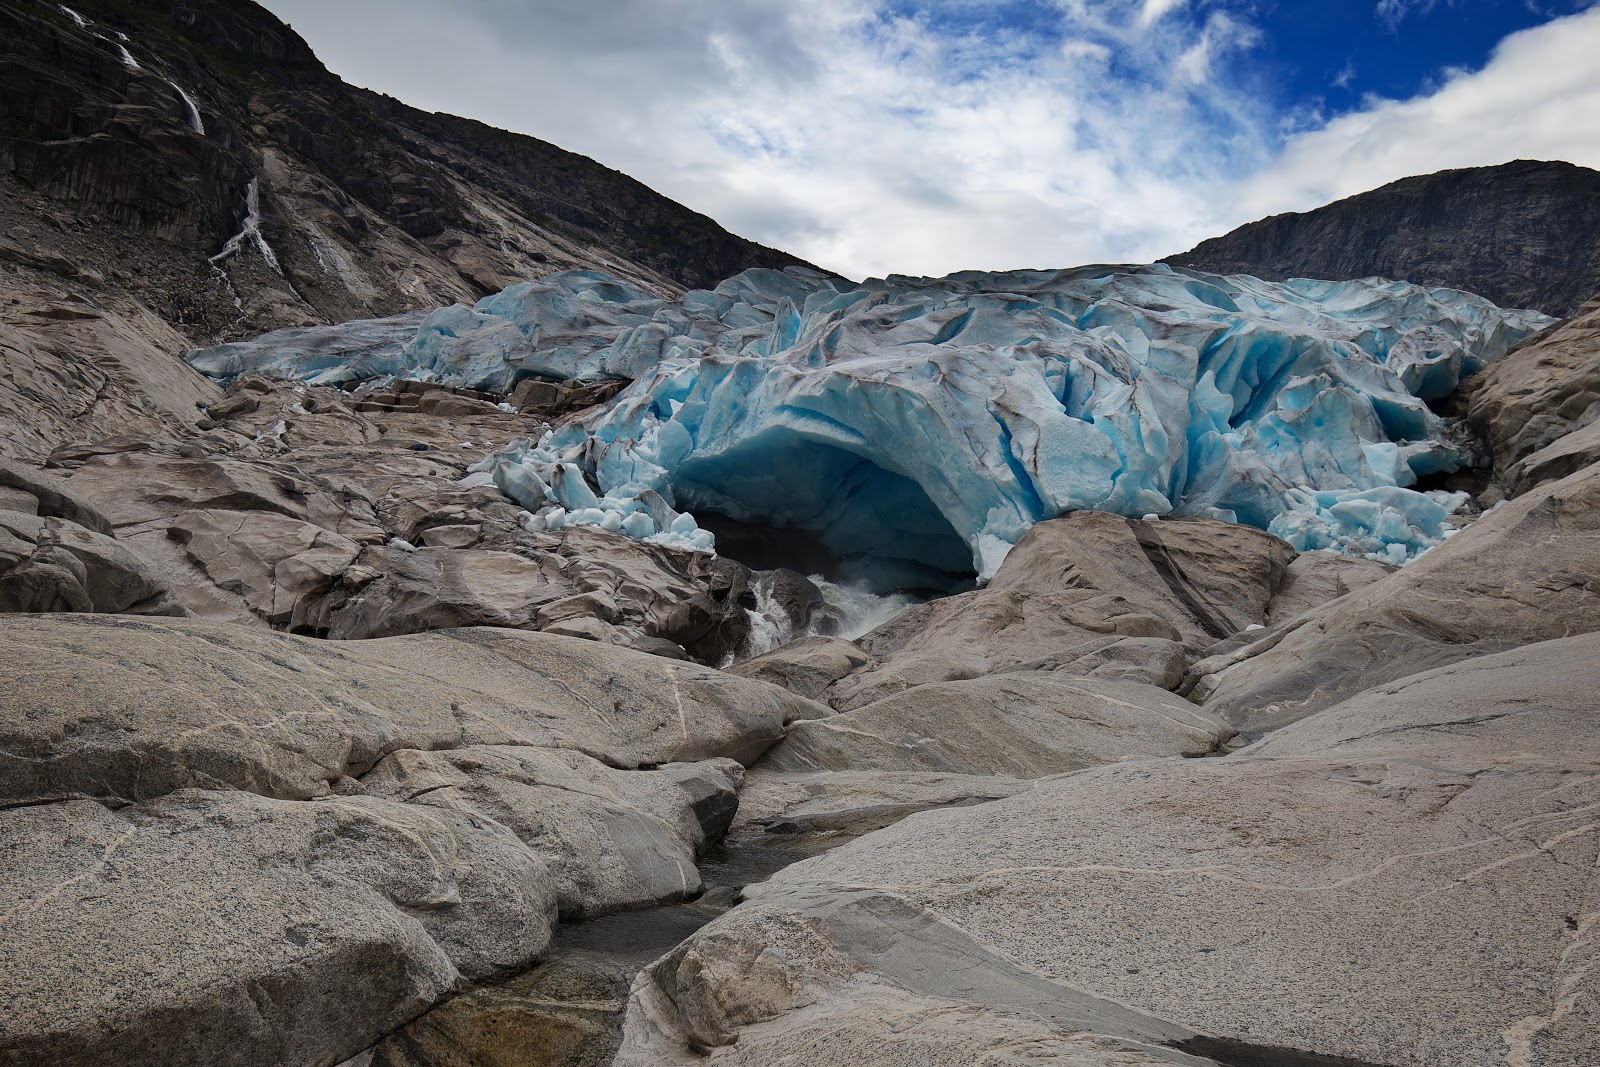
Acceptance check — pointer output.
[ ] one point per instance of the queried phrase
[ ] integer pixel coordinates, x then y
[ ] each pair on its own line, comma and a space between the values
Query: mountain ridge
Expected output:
130, 131
1508, 232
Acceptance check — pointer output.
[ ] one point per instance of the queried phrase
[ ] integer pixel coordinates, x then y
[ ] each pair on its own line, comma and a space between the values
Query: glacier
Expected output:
918, 427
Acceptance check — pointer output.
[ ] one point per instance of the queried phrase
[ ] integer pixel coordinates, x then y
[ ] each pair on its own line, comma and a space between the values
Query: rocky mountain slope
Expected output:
1524, 234
198, 158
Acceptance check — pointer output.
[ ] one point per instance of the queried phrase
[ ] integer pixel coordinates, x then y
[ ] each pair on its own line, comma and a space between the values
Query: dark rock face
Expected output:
1524, 234
128, 145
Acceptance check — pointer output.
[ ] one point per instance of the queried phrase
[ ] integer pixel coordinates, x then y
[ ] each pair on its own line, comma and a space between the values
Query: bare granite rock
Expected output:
1525, 572
127, 709
1070, 585
1213, 897
50, 564
224, 928
1024, 724
1541, 391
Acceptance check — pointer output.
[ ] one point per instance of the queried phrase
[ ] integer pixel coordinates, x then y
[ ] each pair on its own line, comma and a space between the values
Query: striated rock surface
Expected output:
1524, 234
1024, 724
86, 364
1531, 701
228, 928
124, 709
228, 846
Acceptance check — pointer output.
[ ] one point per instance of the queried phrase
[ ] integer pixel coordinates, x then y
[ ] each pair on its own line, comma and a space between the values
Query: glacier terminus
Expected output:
918, 427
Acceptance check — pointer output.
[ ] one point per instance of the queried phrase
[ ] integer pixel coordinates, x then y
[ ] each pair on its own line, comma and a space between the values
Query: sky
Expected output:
928, 136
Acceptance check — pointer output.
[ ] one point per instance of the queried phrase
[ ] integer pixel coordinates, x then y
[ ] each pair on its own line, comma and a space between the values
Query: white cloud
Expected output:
870, 142
1152, 11
1537, 98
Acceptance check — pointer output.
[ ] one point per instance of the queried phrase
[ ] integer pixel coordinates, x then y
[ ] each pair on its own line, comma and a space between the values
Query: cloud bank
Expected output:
875, 136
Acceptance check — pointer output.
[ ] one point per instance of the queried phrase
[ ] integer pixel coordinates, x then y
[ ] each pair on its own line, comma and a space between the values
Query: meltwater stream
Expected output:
849, 610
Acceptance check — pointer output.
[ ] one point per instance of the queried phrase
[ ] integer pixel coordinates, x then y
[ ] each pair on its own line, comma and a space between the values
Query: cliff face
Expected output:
131, 132
1524, 234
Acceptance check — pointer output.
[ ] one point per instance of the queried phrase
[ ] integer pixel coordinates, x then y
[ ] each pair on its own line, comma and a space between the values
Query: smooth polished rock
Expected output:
223, 928
1017, 725
1448, 906
128, 709
1072, 581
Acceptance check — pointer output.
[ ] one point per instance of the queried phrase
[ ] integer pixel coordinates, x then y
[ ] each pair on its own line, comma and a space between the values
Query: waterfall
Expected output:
852, 608
859, 609
191, 108
250, 231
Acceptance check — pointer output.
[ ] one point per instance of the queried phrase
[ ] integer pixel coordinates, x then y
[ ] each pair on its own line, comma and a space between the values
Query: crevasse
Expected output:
918, 427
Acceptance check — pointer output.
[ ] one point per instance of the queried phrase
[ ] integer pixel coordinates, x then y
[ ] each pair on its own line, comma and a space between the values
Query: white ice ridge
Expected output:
192, 113
250, 231
921, 426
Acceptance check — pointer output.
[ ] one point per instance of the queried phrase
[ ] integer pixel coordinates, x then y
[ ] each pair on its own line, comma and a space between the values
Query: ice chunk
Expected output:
322, 355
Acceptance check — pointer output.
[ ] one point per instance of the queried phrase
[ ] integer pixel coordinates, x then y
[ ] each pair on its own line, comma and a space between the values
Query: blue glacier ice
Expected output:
919, 427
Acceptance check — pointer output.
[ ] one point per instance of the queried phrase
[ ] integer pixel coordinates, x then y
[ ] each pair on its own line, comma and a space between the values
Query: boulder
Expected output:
284, 569
419, 590
611, 839
55, 565
807, 665
1074, 580
1525, 572
223, 928
128, 709
1017, 725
